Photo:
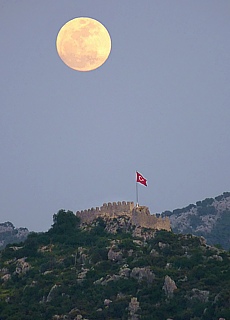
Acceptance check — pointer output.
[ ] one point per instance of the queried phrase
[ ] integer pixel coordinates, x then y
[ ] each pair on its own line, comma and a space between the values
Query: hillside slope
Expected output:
209, 218
77, 273
10, 234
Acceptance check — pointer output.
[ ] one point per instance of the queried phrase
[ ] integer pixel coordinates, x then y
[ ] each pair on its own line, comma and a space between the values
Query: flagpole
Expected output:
142, 180
137, 194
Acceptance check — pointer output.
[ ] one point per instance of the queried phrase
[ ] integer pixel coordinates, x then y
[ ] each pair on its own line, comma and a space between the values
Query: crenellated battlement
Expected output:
110, 209
138, 216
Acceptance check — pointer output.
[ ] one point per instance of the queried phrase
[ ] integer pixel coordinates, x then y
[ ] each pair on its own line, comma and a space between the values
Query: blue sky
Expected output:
159, 105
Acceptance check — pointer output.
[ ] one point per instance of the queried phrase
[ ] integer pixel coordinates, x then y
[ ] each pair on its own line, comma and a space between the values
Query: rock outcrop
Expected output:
169, 287
201, 295
134, 306
114, 254
143, 273
22, 266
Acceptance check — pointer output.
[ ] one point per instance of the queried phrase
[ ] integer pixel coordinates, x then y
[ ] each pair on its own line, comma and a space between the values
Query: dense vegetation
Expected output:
70, 272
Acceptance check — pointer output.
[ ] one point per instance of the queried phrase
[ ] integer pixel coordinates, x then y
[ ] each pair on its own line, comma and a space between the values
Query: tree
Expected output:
65, 221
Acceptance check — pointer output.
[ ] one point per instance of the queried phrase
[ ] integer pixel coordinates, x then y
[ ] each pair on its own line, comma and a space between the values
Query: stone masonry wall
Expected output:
108, 209
139, 216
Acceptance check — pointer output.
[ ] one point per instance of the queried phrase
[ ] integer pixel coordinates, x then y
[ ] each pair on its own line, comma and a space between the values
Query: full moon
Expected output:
83, 44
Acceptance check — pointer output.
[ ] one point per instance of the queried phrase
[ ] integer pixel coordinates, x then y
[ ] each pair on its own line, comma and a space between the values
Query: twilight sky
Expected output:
160, 105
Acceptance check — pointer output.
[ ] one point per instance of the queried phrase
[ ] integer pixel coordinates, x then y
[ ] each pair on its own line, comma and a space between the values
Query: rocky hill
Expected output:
79, 271
10, 234
209, 218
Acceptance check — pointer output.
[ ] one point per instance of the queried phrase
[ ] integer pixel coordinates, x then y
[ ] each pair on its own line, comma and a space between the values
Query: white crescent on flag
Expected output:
141, 179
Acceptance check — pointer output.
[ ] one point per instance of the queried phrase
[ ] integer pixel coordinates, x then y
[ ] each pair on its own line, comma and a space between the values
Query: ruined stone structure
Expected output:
138, 216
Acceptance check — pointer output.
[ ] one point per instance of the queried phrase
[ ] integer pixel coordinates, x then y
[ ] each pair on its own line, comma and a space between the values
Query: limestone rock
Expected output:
6, 277
81, 275
114, 254
82, 256
142, 274
169, 287
201, 295
108, 278
216, 257
46, 248
74, 312
4, 270
203, 241
51, 293
107, 302
124, 272
162, 245
154, 253
134, 306
99, 281
22, 266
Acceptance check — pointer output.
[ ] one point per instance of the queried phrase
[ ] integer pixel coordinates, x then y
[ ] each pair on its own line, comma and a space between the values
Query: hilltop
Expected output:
83, 271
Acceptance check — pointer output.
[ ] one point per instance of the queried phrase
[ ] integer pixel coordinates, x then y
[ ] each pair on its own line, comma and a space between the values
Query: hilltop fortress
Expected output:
138, 216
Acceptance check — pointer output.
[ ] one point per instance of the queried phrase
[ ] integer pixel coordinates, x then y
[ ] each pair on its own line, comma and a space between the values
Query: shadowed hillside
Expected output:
77, 271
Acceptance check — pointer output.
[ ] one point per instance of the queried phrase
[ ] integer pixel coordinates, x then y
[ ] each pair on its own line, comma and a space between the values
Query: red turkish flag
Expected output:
141, 179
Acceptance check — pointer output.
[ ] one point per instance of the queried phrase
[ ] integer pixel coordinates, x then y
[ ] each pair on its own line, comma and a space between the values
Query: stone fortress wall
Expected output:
139, 216
111, 210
